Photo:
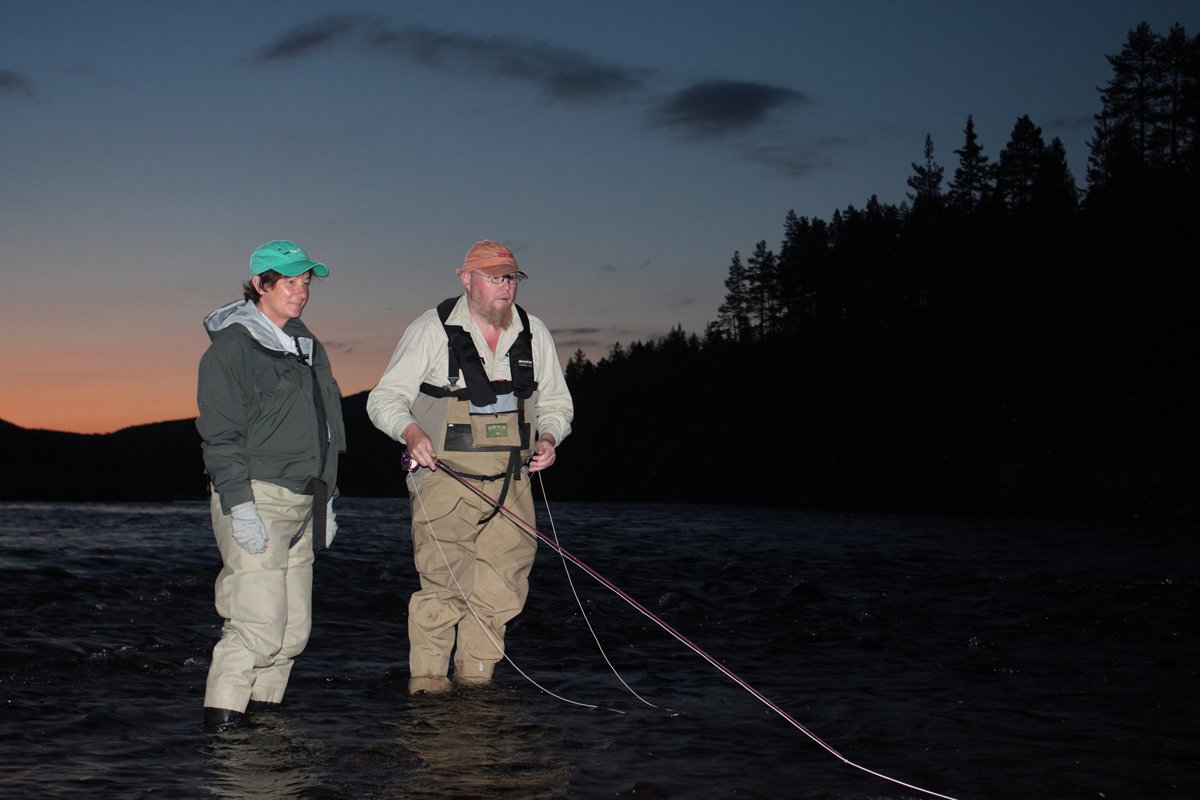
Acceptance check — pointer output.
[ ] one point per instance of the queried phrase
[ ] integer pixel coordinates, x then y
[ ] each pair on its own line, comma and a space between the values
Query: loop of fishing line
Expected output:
487, 631
641, 609
578, 601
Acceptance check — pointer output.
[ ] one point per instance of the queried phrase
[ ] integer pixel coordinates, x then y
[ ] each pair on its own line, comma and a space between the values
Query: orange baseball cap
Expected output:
492, 258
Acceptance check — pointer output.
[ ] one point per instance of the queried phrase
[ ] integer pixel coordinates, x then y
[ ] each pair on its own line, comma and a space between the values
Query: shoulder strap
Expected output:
520, 359
444, 308
463, 357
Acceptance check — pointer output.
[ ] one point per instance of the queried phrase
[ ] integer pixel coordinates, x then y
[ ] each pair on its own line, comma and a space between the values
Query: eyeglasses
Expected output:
512, 277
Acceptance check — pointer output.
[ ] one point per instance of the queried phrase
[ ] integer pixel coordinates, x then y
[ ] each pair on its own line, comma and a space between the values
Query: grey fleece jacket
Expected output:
266, 414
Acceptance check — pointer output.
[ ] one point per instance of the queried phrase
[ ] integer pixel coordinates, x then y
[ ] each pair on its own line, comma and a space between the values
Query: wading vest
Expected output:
485, 428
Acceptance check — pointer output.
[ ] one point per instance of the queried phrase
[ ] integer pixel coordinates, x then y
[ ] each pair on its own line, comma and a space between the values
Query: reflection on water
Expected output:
979, 658
477, 743
469, 743
267, 758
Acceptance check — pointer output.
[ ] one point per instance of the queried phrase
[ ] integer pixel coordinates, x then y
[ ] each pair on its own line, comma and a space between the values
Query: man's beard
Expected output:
497, 317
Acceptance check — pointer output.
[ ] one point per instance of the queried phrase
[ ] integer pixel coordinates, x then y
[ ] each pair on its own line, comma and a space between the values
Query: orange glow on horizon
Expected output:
116, 378
94, 419
105, 409
95, 404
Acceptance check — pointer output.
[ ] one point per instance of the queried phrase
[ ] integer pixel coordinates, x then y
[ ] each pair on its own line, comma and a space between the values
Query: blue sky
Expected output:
624, 150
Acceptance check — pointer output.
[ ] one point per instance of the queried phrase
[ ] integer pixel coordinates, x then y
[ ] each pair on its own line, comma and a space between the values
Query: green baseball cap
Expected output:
286, 258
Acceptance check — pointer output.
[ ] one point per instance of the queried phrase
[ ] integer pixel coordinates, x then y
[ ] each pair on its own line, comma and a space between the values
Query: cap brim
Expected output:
502, 269
297, 268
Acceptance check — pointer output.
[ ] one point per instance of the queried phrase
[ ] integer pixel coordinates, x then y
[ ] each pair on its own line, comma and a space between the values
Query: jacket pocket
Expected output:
282, 421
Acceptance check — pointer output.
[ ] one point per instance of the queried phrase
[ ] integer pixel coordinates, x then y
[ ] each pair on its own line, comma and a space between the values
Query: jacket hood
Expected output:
247, 315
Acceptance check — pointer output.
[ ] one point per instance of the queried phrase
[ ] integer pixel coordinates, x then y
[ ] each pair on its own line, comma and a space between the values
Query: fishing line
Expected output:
641, 609
578, 601
462, 593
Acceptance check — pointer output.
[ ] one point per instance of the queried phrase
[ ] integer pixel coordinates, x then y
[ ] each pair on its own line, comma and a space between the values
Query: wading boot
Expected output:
259, 706
472, 672
219, 720
428, 684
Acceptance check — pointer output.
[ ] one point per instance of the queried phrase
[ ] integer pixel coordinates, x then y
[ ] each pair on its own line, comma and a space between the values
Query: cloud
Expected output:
792, 161
15, 83
707, 110
303, 40
716, 108
595, 340
559, 73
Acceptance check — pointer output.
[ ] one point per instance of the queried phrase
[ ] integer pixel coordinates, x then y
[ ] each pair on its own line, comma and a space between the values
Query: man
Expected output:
481, 387
271, 428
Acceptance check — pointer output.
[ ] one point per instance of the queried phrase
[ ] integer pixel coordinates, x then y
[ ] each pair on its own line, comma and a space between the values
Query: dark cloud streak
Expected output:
303, 40
13, 82
559, 73
793, 160
716, 108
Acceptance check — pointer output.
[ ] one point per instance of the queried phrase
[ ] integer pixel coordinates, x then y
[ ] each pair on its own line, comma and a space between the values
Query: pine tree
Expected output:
1019, 164
1055, 194
763, 290
616, 355
1147, 133
1180, 98
803, 268
579, 367
714, 335
734, 313
972, 179
1130, 100
926, 181
1112, 160
789, 266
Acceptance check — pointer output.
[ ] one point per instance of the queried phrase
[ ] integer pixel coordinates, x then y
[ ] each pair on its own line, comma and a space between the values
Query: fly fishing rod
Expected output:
410, 464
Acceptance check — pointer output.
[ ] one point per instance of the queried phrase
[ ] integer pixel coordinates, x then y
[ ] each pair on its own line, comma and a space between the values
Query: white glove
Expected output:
330, 524
248, 528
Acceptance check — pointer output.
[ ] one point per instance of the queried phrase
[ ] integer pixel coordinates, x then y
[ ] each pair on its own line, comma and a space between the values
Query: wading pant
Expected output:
490, 562
265, 599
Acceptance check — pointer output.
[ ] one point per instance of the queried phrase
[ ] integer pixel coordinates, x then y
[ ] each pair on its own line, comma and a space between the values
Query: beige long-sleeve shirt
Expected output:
422, 357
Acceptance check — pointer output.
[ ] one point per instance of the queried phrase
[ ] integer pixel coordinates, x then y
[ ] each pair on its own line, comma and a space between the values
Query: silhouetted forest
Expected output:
1001, 342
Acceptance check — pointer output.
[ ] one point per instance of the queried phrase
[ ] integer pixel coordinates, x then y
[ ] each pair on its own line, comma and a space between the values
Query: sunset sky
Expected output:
624, 150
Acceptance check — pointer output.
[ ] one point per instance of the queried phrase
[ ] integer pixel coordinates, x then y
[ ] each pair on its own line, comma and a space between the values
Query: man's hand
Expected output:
420, 446
543, 453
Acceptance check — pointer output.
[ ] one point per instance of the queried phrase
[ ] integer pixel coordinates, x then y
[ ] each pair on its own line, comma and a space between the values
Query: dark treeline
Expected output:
1001, 341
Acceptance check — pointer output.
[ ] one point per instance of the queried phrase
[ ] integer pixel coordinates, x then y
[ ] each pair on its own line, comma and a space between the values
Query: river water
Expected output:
976, 658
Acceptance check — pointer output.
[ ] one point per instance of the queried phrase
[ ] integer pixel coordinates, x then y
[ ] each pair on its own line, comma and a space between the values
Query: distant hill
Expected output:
162, 461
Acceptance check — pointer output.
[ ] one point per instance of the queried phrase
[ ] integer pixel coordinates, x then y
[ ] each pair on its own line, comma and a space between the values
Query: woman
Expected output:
271, 424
